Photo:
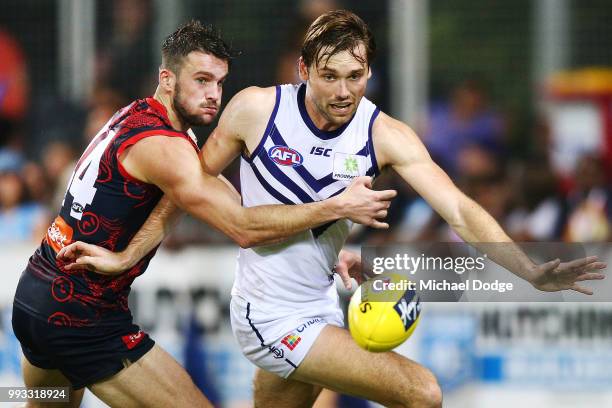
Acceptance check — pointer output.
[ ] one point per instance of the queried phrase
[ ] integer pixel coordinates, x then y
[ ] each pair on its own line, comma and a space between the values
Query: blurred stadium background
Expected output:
513, 99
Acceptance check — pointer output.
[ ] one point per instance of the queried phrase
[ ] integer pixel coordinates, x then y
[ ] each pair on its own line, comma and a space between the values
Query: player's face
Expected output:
198, 88
336, 88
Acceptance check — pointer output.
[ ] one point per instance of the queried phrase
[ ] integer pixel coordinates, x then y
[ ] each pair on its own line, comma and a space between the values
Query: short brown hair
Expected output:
336, 31
193, 36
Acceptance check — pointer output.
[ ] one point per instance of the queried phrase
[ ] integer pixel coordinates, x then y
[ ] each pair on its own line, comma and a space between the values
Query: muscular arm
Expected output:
173, 165
396, 145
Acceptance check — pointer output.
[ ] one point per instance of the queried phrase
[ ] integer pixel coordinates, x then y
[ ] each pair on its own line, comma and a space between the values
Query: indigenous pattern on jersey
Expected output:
295, 163
105, 206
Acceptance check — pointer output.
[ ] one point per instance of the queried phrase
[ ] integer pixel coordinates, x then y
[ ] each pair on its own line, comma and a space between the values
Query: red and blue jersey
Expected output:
104, 206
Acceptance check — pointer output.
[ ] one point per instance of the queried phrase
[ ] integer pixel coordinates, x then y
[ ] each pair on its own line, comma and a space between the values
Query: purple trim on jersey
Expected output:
282, 177
271, 190
374, 167
268, 128
321, 134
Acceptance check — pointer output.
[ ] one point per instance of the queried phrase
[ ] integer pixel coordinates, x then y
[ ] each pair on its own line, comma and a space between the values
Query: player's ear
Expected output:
302, 69
167, 79
369, 72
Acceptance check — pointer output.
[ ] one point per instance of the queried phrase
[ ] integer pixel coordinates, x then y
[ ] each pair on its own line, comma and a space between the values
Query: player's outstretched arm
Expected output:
396, 145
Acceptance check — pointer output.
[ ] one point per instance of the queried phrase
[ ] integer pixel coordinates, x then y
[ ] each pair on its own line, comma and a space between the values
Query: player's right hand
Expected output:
362, 205
80, 255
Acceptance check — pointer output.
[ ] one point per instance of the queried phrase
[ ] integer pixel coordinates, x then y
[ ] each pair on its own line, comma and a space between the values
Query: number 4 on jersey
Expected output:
81, 186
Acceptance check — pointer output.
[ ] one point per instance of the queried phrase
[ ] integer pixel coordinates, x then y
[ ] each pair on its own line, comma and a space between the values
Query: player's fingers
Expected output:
386, 194
69, 251
590, 276
579, 263
551, 265
60, 254
381, 214
378, 225
381, 205
342, 270
70, 266
594, 266
358, 277
581, 289
365, 181
87, 262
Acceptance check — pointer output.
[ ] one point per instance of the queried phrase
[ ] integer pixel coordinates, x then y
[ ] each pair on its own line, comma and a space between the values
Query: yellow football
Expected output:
383, 312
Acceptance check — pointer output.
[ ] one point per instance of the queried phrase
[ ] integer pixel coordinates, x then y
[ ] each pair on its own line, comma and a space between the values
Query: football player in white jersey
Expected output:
303, 350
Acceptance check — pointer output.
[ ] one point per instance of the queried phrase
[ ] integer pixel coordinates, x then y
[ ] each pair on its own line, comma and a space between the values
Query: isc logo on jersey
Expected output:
285, 156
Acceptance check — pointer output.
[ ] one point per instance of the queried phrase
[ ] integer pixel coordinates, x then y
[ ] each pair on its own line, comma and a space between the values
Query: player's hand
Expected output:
349, 266
81, 255
556, 275
362, 205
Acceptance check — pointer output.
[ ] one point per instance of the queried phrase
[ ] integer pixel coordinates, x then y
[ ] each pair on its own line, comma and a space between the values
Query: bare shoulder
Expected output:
395, 142
252, 103
155, 155
245, 118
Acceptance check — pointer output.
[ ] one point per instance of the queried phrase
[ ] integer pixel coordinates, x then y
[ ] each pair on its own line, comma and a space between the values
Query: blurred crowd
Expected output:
466, 133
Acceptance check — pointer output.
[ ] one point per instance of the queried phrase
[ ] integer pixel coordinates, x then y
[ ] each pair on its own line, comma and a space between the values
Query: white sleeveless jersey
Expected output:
296, 163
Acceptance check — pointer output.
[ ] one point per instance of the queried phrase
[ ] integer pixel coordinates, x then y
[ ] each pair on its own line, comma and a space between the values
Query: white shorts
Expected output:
274, 344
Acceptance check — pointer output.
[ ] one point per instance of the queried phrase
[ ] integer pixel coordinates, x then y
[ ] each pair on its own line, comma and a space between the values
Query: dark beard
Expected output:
184, 116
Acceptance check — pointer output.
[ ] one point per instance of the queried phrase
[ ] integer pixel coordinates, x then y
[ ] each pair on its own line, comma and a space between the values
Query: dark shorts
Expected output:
85, 355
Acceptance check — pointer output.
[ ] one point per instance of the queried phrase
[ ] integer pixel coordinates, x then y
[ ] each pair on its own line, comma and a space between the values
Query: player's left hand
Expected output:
80, 255
556, 275
349, 266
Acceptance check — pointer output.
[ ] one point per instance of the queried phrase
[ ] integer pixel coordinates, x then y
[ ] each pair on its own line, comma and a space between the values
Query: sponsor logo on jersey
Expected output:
59, 234
285, 156
132, 340
308, 324
291, 341
278, 353
320, 151
348, 166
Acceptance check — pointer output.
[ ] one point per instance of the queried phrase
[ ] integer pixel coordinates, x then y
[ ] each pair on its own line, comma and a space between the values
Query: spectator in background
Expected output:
125, 60
101, 109
589, 203
14, 84
36, 182
540, 210
58, 159
465, 122
14, 92
20, 219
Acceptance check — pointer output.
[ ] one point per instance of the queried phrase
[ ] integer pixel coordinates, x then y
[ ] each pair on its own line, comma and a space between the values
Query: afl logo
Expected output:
285, 156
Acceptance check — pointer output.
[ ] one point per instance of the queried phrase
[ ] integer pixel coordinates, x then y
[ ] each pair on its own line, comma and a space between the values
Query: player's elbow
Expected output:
244, 241
239, 230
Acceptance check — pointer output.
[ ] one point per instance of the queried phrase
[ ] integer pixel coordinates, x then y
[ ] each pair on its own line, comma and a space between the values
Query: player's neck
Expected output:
165, 100
317, 118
